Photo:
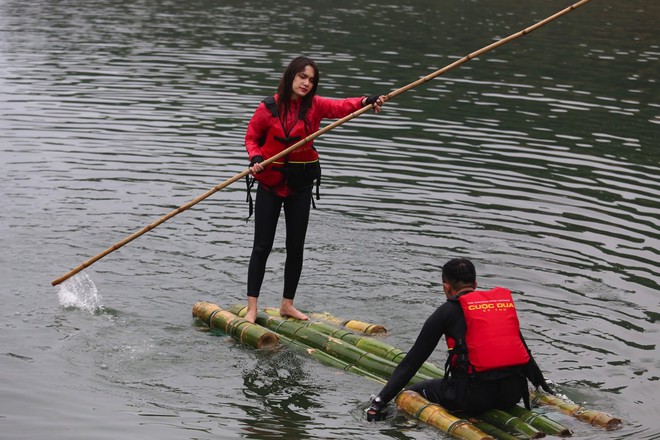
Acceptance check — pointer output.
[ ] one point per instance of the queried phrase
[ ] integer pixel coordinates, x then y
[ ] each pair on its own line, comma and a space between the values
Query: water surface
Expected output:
537, 161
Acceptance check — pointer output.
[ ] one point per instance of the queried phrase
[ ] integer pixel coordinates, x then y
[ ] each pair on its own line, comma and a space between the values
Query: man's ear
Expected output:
446, 287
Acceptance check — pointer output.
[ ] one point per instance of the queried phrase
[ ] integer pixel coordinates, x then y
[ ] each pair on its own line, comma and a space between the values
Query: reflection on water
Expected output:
536, 160
278, 380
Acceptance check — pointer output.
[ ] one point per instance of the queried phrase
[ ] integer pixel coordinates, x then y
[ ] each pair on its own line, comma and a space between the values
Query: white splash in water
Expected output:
80, 292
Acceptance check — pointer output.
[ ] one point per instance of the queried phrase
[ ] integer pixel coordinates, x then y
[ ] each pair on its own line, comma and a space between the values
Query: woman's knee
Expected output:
262, 250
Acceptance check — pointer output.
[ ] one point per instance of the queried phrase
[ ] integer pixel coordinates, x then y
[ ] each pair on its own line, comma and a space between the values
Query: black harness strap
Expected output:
249, 182
271, 105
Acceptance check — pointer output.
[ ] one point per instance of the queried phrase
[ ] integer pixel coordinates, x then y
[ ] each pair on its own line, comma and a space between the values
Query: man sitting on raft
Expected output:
489, 362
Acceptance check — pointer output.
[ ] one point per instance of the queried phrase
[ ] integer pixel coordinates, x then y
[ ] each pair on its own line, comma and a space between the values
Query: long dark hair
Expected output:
285, 89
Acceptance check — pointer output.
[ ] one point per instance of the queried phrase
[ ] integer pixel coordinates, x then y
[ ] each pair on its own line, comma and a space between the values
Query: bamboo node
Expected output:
458, 424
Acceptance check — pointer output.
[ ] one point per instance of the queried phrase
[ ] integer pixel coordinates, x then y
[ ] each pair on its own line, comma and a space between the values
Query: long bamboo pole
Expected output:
314, 135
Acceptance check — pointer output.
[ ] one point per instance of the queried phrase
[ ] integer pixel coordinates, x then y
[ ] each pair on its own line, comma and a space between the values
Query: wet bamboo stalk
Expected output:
351, 324
493, 430
541, 422
420, 408
508, 422
366, 343
296, 329
596, 418
327, 359
243, 331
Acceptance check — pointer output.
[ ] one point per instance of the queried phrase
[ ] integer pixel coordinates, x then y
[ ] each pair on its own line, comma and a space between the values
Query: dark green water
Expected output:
538, 161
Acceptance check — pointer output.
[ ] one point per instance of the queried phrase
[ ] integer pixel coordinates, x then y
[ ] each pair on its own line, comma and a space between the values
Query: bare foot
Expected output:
288, 311
251, 315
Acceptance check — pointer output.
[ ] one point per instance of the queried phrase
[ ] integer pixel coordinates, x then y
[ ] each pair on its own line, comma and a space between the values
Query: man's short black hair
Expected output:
459, 271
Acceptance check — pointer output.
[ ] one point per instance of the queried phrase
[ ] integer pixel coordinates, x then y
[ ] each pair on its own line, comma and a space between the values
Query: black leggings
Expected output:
266, 214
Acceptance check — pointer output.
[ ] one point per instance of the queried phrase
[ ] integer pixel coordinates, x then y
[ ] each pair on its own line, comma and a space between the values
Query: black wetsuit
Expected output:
494, 389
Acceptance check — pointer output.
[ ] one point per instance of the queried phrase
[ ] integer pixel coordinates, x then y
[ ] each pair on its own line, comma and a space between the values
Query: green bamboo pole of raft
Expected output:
369, 344
243, 331
493, 430
508, 422
351, 354
213, 316
420, 408
540, 422
327, 359
351, 324
596, 418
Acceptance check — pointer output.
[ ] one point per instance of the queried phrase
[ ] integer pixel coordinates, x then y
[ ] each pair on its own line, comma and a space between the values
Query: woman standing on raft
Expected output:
279, 122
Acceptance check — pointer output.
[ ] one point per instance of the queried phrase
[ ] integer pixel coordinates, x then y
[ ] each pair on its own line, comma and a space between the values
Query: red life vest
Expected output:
492, 334
277, 140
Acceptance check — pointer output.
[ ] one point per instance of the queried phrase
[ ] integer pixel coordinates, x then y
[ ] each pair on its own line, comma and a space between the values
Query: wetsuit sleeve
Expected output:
532, 371
336, 108
257, 130
427, 340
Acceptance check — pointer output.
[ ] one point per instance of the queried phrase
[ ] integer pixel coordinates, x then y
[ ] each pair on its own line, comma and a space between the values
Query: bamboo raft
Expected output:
334, 342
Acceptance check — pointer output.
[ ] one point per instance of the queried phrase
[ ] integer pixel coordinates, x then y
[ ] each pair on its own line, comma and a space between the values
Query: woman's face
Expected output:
303, 83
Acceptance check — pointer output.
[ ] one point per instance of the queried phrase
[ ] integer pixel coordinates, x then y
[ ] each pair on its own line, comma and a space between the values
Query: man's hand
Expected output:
375, 411
546, 387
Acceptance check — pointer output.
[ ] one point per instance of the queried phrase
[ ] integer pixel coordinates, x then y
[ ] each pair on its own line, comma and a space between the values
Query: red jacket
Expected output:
264, 127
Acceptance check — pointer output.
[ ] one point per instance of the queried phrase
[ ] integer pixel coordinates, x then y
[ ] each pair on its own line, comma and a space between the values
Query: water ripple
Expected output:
544, 172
